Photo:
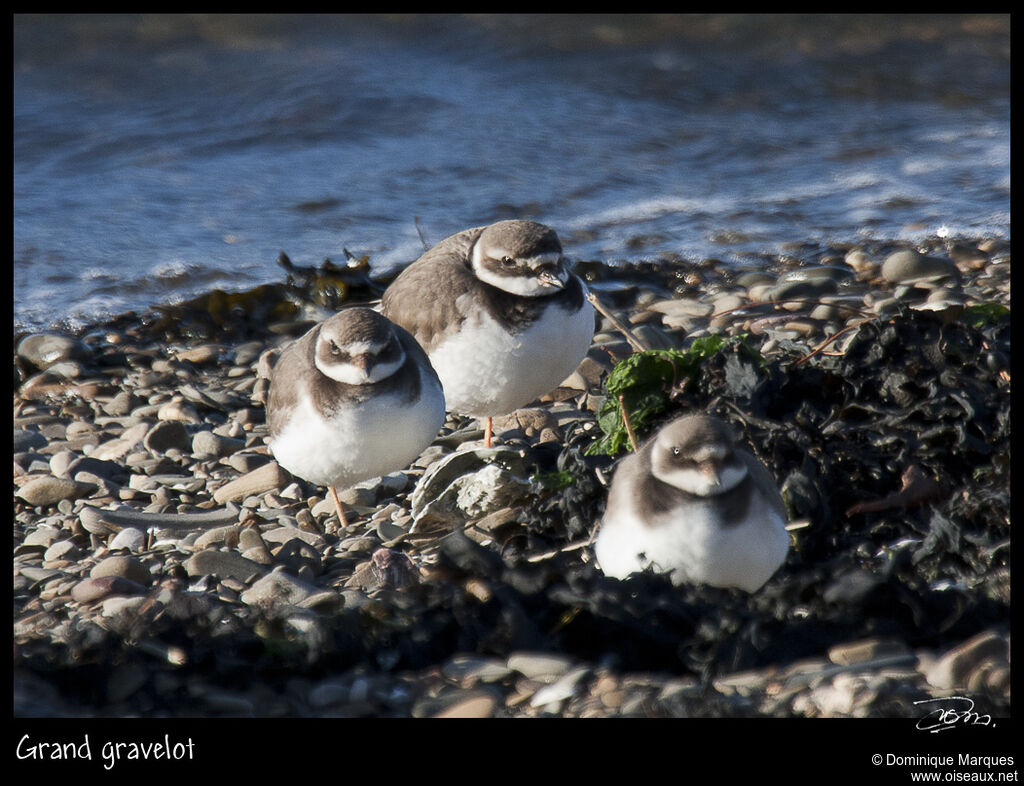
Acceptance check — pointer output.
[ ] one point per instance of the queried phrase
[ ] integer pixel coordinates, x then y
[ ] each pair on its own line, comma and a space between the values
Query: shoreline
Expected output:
224, 566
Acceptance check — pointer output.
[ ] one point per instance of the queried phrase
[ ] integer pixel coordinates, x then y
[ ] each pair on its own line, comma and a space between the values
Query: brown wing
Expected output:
286, 377
423, 298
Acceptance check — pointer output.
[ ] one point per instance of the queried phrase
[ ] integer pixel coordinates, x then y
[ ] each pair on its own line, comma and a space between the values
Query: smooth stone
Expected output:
539, 665
42, 535
25, 440
561, 689
284, 534
859, 261
124, 566
223, 564
178, 412
909, 265
123, 445
167, 435
201, 355
42, 350
46, 491
953, 669
865, 650
265, 478
248, 353
62, 549
215, 536
278, 587
102, 468
97, 588
682, 307
128, 538
67, 369
206, 443
476, 704
120, 605
468, 667
247, 462
803, 288
122, 404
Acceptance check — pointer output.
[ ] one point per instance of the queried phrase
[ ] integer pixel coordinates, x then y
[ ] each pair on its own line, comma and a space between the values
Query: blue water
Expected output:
156, 157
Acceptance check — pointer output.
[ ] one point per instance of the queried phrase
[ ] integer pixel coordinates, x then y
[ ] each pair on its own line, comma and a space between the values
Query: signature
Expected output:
961, 713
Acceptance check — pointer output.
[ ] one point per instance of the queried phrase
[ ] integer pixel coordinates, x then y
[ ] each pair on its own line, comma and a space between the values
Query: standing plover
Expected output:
352, 399
500, 314
693, 504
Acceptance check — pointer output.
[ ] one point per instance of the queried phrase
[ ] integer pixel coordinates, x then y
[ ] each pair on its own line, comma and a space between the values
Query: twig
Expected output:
758, 303
626, 422
828, 341
416, 221
634, 342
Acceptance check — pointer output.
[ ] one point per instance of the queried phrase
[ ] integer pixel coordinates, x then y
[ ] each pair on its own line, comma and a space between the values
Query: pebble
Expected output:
276, 588
224, 564
42, 350
539, 666
47, 491
167, 435
124, 566
265, 478
97, 588
471, 704
909, 265
954, 668
27, 440
128, 538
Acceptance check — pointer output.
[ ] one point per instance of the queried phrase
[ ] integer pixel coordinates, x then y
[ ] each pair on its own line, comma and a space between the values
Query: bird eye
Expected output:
508, 262
675, 451
335, 350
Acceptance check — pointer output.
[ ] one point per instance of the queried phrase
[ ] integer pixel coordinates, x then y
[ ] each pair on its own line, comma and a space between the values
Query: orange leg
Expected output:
487, 433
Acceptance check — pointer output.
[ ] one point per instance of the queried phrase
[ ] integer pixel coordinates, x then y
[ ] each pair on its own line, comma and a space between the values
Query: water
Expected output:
157, 157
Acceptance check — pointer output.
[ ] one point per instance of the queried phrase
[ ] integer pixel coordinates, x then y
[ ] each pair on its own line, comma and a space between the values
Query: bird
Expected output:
499, 312
352, 399
693, 503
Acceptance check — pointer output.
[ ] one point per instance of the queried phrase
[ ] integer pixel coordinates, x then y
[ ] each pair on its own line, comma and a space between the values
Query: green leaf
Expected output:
644, 381
984, 314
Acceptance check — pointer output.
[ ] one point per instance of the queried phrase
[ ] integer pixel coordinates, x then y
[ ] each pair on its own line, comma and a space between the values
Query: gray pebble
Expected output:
97, 588
129, 538
27, 440
122, 565
207, 444
62, 550
224, 564
42, 350
42, 536
46, 491
269, 476
909, 265
277, 588
166, 435
215, 536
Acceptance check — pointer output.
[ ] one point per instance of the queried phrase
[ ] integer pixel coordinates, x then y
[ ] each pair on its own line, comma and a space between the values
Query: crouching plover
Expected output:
498, 311
352, 399
693, 504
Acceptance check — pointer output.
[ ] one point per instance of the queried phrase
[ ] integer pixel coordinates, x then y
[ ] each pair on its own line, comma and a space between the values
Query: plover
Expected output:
500, 314
692, 503
352, 399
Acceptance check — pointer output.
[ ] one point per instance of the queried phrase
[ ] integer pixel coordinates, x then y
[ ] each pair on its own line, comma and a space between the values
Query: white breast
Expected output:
488, 371
378, 436
695, 546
